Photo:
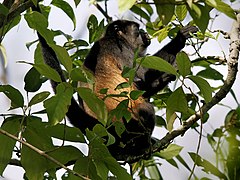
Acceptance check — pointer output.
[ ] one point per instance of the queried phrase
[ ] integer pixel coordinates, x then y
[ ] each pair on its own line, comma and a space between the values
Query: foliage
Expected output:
40, 127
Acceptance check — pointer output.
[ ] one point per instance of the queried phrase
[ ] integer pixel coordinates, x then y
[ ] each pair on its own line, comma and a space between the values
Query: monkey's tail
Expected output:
76, 114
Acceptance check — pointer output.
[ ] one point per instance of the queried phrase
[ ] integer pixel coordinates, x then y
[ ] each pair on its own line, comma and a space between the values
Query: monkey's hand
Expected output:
186, 31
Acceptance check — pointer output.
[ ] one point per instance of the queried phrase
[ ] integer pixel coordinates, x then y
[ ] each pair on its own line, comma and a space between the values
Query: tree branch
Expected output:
109, 19
232, 63
40, 152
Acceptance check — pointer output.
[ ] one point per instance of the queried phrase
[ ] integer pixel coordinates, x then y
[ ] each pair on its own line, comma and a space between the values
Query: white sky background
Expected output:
17, 38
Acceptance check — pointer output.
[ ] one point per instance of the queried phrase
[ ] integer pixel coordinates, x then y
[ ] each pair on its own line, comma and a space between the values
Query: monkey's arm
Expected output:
170, 51
153, 81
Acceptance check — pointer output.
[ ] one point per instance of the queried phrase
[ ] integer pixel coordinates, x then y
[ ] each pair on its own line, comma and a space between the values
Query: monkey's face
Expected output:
128, 32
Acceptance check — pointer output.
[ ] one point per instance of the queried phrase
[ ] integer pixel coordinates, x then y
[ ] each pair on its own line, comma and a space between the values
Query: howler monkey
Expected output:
106, 60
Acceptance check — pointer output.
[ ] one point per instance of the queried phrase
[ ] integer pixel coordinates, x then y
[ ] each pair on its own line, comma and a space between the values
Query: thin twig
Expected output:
109, 19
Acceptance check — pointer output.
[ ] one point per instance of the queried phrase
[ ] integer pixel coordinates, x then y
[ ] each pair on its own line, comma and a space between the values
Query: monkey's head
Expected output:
129, 33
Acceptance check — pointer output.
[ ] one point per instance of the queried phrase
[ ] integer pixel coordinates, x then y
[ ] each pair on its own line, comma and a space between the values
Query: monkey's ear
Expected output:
117, 30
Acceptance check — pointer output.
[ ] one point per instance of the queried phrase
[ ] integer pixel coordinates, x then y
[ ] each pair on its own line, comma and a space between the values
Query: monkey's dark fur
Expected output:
106, 60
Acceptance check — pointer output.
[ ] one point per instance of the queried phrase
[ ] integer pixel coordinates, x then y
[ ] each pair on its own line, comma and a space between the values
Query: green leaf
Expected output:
171, 151
218, 133
207, 166
3, 10
124, 5
129, 73
63, 56
116, 169
72, 44
94, 103
177, 101
119, 128
39, 22
45, 10
160, 121
135, 94
12, 126
140, 12
61, 131
48, 72
122, 85
35, 2
35, 135
77, 74
9, 25
165, 10
172, 162
102, 170
38, 56
77, 2
204, 86
99, 130
82, 75
210, 73
39, 98
63, 5
34, 170
104, 159
233, 155
122, 111
57, 106
95, 30
85, 167
162, 33
170, 117
111, 164
111, 139
146, 6
64, 154
80, 42
103, 91
14, 95
181, 160
222, 7
205, 62
230, 118
154, 171
183, 64
181, 12
157, 63
32, 80
200, 15
92, 26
